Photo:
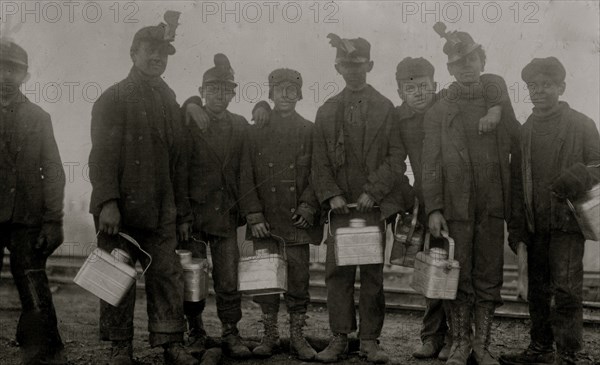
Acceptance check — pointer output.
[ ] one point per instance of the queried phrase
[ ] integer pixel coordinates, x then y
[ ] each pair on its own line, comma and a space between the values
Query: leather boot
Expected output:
37, 330
373, 352
445, 351
121, 353
298, 344
212, 356
233, 342
534, 354
175, 354
571, 358
461, 331
196, 344
270, 337
430, 348
484, 316
336, 350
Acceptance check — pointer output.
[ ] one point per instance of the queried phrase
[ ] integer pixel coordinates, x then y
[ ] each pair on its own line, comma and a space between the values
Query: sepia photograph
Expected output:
193, 182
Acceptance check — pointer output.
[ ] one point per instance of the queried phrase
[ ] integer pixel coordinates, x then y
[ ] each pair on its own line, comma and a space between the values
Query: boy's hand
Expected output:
110, 218
299, 221
437, 223
183, 232
195, 113
338, 205
261, 230
490, 121
364, 203
261, 116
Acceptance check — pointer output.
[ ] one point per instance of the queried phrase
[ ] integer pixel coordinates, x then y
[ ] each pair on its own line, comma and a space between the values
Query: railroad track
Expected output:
399, 296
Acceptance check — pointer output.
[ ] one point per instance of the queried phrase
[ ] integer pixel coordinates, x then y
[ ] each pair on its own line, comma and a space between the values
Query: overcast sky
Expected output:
81, 48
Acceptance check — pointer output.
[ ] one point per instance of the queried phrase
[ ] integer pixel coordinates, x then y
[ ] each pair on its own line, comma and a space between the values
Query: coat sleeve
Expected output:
591, 143
432, 175
249, 200
107, 130
323, 176
517, 225
391, 172
53, 184
181, 178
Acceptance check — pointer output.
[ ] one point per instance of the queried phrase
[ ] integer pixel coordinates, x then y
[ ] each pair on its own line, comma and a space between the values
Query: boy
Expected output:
276, 198
138, 156
31, 206
214, 170
557, 143
466, 183
357, 157
416, 88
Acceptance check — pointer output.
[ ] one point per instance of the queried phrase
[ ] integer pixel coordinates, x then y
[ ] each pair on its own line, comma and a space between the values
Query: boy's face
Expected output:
285, 96
544, 91
418, 93
218, 95
355, 74
151, 58
11, 78
467, 69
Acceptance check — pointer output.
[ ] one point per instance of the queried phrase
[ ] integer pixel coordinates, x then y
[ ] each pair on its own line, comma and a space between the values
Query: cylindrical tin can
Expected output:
195, 275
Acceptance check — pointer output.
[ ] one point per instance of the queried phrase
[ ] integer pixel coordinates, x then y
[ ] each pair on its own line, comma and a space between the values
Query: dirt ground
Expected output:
78, 316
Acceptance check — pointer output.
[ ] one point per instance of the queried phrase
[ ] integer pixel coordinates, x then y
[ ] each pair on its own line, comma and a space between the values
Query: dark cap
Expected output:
285, 75
414, 67
458, 44
162, 33
550, 66
221, 72
154, 34
13, 53
357, 50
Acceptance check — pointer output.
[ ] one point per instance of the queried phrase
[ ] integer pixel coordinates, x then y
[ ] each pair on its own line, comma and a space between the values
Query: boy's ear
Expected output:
561, 88
370, 67
26, 78
200, 91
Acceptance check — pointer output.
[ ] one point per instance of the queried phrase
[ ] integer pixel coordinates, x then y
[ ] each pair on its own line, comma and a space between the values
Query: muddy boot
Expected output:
175, 354
484, 317
196, 344
233, 342
445, 351
461, 331
336, 350
270, 338
212, 356
534, 354
121, 353
373, 352
430, 348
37, 330
298, 344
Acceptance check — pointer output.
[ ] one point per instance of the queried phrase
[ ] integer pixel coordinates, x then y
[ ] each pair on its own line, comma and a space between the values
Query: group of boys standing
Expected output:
171, 182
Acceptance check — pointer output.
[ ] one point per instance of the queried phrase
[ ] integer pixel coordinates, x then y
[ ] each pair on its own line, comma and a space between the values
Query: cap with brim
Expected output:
463, 46
282, 75
155, 34
13, 53
357, 50
550, 66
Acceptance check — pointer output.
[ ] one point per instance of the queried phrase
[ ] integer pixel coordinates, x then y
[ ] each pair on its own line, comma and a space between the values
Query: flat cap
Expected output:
13, 53
550, 66
458, 44
162, 33
285, 75
414, 67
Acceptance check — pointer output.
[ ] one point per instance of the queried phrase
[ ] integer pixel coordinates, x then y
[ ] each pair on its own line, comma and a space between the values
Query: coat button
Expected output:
293, 210
270, 164
273, 189
217, 208
292, 166
292, 188
137, 162
140, 138
12, 190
